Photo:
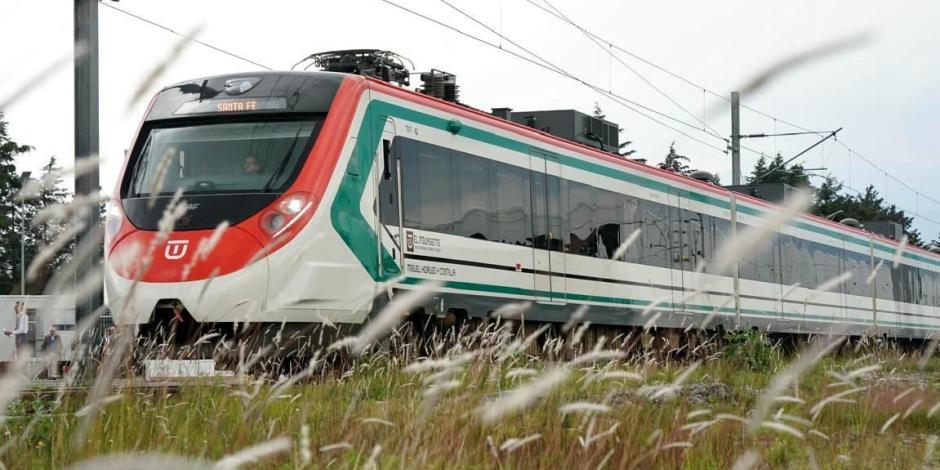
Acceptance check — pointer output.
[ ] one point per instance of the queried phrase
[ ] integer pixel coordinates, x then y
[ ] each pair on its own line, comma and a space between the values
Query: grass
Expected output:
374, 412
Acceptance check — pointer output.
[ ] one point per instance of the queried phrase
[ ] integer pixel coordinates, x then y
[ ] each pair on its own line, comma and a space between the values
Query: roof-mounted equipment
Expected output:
703, 176
440, 84
376, 63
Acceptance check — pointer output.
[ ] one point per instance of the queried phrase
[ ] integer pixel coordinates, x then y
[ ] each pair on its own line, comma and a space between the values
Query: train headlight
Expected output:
283, 213
114, 220
293, 204
273, 222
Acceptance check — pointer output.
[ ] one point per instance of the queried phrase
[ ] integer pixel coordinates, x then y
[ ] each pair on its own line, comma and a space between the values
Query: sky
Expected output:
885, 92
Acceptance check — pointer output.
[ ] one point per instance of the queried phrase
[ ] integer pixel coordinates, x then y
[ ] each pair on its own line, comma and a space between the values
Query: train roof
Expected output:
291, 83
592, 152
290, 92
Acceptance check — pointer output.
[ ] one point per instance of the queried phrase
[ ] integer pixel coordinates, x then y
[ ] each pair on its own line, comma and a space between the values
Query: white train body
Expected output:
539, 224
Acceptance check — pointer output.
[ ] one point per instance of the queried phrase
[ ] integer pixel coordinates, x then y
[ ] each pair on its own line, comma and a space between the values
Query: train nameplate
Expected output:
236, 105
239, 105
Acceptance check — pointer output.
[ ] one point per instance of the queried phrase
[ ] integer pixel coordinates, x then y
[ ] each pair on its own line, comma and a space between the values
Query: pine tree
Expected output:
11, 210
598, 112
674, 162
621, 149
46, 234
793, 175
832, 202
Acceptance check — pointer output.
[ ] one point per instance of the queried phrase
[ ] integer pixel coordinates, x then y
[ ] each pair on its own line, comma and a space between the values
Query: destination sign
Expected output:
239, 105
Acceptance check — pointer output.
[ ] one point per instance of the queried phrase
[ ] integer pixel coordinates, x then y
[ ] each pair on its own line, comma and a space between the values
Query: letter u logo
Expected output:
175, 249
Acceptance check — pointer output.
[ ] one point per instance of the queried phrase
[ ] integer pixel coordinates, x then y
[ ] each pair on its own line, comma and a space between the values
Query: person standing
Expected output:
21, 330
52, 347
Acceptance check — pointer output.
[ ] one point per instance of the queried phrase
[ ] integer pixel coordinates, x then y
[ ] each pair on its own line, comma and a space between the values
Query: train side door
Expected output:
778, 278
680, 254
387, 169
548, 261
845, 265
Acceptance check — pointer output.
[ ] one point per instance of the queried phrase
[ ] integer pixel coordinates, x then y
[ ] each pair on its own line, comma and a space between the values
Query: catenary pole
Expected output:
735, 138
86, 138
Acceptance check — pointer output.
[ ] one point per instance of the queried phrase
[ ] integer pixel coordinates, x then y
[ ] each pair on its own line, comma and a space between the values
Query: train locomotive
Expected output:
305, 192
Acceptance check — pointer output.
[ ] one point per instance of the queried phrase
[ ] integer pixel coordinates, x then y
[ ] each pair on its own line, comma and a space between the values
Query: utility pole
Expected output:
86, 138
735, 138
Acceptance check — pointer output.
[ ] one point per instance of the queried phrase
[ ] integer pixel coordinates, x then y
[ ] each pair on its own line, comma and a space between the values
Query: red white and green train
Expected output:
335, 184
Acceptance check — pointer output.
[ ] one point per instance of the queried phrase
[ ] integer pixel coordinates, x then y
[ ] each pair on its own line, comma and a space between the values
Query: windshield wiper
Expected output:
280, 168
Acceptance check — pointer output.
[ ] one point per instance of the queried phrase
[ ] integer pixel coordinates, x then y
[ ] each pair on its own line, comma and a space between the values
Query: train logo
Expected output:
410, 241
175, 249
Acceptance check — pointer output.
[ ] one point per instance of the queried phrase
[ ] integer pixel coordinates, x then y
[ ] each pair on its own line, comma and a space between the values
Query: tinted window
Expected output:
884, 281
411, 184
473, 205
607, 218
435, 189
221, 158
540, 237
696, 237
722, 237
388, 185
655, 233
581, 238
632, 221
555, 229
859, 264
511, 203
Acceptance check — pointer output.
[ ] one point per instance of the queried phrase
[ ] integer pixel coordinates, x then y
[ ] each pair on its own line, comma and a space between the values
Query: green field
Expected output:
636, 412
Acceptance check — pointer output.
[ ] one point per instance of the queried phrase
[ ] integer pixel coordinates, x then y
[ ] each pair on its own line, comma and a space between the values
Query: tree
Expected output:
832, 202
777, 172
45, 235
10, 210
599, 114
674, 162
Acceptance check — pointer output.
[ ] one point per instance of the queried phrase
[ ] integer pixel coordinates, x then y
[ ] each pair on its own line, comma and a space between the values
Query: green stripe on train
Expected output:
359, 236
494, 289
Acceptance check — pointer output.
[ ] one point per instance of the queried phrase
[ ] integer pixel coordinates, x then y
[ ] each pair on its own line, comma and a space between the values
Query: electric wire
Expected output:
632, 106
561, 71
197, 41
609, 51
558, 14
623, 101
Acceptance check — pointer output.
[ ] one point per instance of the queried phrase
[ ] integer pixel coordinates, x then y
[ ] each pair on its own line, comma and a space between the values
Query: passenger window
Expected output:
540, 238
607, 219
655, 233
632, 221
511, 190
581, 238
473, 190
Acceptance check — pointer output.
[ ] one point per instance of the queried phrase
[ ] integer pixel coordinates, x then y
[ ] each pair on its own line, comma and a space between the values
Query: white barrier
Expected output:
170, 369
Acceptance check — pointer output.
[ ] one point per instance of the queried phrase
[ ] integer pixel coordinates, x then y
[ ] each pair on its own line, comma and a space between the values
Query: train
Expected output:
308, 192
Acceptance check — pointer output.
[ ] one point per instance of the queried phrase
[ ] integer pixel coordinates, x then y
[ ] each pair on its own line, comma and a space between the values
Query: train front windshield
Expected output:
222, 158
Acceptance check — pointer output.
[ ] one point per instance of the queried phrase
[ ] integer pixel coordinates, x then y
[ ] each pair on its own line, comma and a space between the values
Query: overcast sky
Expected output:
885, 93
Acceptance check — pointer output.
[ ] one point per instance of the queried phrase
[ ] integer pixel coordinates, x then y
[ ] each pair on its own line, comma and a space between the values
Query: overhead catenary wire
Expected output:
625, 102
609, 51
552, 67
197, 41
629, 104
562, 71
612, 46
